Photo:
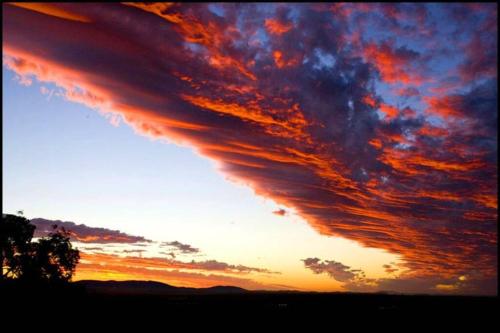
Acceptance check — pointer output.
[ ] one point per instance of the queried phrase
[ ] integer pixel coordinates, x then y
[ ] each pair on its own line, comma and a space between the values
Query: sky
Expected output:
327, 147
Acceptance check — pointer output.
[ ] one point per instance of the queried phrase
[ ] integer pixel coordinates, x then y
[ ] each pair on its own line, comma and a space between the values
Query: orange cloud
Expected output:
444, 107
100, 266
49, 9
369, 100
389, 111
275, 27
394, 65
207, 34
377, 143
280, 61
433, 131
158, 263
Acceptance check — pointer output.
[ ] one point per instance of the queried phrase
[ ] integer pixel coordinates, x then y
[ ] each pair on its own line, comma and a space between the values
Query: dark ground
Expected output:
354, 309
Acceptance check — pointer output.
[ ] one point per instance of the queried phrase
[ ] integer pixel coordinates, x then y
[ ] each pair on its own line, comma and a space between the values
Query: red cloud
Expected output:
394, 65
280, 61
275, 27
446, 106
389, 111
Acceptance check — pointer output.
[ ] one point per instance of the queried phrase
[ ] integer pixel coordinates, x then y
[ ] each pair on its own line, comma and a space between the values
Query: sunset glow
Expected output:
324, 147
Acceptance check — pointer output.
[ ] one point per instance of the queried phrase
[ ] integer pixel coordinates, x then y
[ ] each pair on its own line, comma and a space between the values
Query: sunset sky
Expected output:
326, 147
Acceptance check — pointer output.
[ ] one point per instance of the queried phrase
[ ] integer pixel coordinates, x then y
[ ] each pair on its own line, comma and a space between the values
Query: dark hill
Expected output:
151, 288
160, 300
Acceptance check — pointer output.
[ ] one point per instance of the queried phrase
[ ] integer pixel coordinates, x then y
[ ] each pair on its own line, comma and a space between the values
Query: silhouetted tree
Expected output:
16, 233
50, 259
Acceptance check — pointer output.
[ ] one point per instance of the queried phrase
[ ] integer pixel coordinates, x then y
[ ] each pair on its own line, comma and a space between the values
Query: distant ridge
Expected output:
132, 287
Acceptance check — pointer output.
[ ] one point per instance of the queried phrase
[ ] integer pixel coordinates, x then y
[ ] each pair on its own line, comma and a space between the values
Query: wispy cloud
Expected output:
134, 253
178, 246
194, 274
85, 234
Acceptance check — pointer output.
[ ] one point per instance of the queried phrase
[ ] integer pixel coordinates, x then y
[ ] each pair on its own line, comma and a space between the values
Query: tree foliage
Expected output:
50, 259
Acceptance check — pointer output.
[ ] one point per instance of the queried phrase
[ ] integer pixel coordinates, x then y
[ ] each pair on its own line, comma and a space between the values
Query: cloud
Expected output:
136, 251
389, 111
196, 273
98, 266
48, 9
91, 235
408, 92
405, 282
94, 248
435, 284
280, 212
390, 269
394, 64
170, 254
276, 27
183, 248
297, 128
480, 50
100, 255
85, 234
336, 270
215, 265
